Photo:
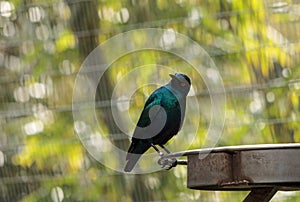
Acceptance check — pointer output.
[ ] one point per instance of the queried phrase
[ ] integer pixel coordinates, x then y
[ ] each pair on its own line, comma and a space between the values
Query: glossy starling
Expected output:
161, 118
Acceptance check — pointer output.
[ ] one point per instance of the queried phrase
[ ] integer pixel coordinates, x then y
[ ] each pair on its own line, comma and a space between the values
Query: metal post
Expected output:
261, 194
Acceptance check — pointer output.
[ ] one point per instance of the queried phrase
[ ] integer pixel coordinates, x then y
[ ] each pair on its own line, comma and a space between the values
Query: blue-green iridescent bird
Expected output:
161, 118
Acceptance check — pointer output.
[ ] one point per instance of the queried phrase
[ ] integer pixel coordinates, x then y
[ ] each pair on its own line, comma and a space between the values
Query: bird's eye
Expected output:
182, 84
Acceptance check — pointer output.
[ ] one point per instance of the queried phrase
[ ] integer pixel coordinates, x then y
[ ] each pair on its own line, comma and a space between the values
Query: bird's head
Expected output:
181, 83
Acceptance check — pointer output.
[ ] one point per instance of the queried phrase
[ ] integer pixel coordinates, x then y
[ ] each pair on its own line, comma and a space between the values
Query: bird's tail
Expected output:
134, 153
132, 160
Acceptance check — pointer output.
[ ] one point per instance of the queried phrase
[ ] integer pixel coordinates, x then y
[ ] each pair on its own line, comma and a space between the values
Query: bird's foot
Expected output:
167, 163
172, 163
161, 161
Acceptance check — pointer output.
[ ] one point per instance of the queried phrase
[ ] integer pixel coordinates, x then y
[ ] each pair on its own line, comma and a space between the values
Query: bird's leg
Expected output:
165, 148
170, 162
156, 149
160, 161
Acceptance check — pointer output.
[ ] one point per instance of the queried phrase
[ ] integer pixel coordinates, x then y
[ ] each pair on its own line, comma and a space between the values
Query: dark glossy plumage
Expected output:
161, 118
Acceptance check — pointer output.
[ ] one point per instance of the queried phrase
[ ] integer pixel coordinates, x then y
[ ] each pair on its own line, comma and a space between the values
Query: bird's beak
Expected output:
173, 76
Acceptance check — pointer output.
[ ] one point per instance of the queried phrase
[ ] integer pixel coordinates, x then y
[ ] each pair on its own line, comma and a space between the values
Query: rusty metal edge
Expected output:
232, 149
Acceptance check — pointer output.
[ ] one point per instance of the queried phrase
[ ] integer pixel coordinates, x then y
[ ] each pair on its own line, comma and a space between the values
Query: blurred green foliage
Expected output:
255, 45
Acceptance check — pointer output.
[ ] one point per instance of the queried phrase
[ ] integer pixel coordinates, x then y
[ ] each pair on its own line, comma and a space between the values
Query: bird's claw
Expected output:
171, 163
167, 163
161, 162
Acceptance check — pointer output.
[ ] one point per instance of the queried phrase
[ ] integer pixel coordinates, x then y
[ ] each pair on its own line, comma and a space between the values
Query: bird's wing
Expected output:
153, 117
144, 129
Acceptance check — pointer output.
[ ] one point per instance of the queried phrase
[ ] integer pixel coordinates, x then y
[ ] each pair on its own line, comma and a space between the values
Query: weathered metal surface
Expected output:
212, 171
262, 169
245, 168
271, 166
